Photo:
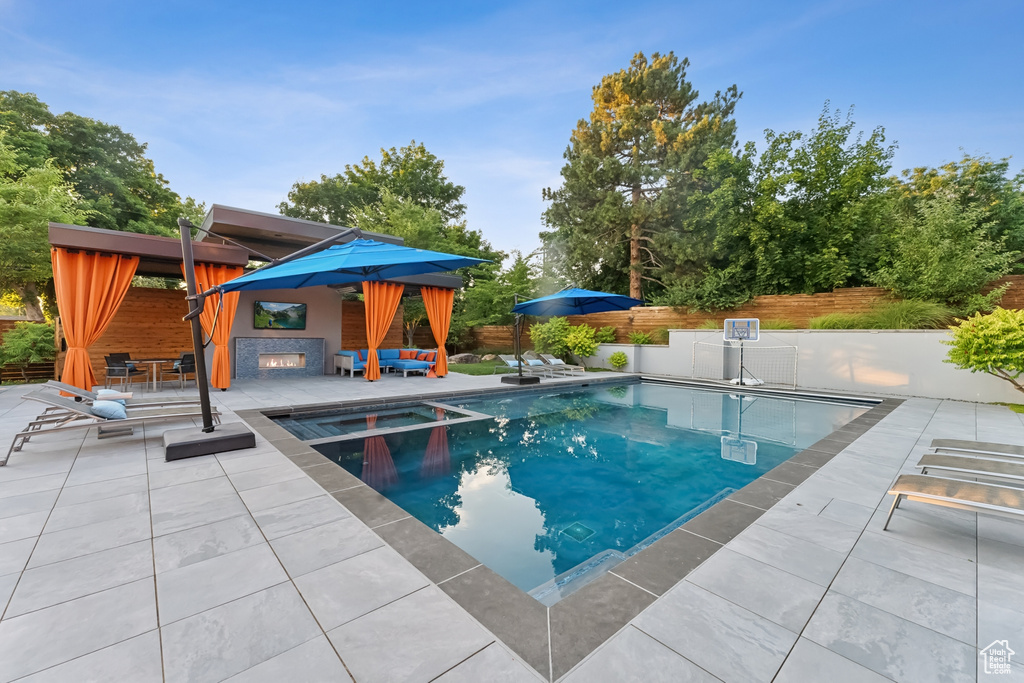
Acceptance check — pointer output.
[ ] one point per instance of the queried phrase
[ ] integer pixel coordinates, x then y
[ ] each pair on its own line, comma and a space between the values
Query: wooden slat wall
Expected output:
147, 325
353, 327
796, 308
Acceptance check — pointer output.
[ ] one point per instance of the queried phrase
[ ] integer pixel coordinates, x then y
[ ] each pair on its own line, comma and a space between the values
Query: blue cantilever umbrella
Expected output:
355, 261
575, 301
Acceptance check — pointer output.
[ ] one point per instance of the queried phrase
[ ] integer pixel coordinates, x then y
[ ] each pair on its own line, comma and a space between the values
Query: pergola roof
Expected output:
273, 235
278, 236
158, 256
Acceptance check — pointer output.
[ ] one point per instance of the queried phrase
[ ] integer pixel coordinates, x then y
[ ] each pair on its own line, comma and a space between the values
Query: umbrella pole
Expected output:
197, 332
518, 378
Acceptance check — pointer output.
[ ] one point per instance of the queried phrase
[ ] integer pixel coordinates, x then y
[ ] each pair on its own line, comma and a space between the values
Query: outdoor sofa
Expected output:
398, 360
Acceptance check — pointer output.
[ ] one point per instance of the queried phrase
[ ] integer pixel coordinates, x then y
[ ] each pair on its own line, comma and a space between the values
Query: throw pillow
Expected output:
556, 361
104, 393
534, 362
112, 410
422, 355
360, 356
407, 354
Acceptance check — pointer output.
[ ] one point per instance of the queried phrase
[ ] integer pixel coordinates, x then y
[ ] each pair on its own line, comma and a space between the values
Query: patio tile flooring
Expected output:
115, 565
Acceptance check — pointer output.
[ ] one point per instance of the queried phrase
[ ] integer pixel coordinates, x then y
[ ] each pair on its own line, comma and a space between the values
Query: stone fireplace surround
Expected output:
248, 350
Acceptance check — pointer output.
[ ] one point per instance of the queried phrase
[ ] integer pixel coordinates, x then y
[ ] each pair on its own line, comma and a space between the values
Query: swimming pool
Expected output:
552, 488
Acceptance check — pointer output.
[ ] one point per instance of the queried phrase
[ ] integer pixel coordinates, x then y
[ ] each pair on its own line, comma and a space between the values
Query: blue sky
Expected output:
239, 100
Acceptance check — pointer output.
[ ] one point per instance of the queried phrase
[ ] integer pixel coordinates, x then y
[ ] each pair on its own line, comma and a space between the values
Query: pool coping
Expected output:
554, 639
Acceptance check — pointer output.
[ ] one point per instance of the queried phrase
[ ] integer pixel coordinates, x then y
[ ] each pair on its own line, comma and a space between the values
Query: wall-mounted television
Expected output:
274, 315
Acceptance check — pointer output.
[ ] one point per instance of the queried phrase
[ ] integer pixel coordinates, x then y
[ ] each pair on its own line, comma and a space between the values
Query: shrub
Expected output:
908, 315
605, 335
550, 337
638, 337
992, 343
660, 335
837, 321
777, 325
28, 343
710, 324
618, 360
580, 341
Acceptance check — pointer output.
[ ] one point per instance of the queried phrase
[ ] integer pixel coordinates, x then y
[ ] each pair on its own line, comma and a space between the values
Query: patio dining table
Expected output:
154, 367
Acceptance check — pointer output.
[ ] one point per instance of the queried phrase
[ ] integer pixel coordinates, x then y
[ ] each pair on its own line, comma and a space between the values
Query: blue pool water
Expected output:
550, 489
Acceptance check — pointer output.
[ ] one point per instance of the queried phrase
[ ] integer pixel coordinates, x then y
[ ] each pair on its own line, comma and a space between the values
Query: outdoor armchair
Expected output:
184, 366
119, 367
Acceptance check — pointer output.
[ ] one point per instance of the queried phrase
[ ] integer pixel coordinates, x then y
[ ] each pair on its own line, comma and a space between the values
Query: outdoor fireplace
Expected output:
282, 360
278, 357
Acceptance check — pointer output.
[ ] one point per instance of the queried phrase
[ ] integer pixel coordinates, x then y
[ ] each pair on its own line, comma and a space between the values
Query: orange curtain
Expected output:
381, 301
439, 311
378, 467
90, 288
208, 275
436, 459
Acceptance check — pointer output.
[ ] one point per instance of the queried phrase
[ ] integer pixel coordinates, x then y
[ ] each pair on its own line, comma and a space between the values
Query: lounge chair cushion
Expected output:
112, 410
102, 395
408, 354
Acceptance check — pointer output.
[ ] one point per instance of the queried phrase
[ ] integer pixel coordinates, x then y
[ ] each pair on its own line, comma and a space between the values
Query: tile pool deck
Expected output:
267, 564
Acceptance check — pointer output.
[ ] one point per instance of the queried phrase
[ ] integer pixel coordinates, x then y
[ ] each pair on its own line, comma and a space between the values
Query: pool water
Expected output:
556, 487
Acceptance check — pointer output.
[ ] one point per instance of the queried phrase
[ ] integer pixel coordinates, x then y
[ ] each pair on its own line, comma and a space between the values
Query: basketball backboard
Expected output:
741, 329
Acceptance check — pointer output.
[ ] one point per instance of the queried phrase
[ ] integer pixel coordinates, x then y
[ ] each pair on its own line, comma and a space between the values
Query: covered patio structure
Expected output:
147, 322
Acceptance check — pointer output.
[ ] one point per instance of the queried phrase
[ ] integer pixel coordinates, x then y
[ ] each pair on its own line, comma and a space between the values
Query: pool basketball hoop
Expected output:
742, 330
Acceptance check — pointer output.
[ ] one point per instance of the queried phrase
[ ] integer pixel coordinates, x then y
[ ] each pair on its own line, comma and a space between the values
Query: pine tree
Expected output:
629, 169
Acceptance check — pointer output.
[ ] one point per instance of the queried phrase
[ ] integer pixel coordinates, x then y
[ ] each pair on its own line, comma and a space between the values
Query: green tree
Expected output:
817, 209
414, 314
489, 302
628, 171
941, 253
992, 343
28, 343
977, 185
107, 167
30, 198
410, 172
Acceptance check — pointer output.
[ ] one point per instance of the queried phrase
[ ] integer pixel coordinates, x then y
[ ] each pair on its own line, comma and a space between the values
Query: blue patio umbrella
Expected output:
355, 261
574, 301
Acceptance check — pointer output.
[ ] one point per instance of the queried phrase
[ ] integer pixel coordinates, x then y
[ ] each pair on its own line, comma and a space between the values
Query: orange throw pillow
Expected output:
407, 354
431, 356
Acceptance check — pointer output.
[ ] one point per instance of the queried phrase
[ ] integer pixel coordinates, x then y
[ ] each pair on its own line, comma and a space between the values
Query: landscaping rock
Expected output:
489, 356
464, 358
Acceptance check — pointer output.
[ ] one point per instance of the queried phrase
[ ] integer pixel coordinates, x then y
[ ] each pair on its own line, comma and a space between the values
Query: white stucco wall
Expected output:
890, 362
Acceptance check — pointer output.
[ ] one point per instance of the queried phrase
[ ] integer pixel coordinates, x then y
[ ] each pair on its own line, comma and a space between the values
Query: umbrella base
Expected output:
193, 441
517, 379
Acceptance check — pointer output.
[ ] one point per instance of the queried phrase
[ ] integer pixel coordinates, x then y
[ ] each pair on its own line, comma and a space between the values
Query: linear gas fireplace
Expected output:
282, 360
278, 357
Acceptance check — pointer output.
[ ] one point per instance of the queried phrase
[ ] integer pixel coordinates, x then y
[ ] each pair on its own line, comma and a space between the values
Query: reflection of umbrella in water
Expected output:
436, 461
378, 467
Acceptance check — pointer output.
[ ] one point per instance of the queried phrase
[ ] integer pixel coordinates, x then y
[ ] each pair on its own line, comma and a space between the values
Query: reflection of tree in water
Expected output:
618, 392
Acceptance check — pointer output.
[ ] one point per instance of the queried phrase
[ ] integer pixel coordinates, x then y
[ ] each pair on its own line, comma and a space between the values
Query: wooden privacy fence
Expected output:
795, 308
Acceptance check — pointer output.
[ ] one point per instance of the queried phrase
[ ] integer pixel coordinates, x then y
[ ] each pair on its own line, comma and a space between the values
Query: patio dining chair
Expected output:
184, 366
120, 368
